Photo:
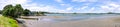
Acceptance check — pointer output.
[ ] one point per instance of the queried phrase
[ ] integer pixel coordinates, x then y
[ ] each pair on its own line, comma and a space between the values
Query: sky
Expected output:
67, 6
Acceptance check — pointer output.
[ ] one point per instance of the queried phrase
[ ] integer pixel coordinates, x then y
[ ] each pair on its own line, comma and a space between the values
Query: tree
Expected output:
6, 9
0, 11
26, 12
19, 10
75, 13
12, 11
110, 13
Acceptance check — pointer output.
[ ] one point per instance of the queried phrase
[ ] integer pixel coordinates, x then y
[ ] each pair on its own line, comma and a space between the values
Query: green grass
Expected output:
7, 22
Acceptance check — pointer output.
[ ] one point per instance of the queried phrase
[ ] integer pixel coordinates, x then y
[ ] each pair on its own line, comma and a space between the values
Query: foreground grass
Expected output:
7, 22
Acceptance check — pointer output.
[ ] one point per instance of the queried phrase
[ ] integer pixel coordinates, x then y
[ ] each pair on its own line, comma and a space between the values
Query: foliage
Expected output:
5, 10
12, 11
74, 13
43, 12
0, 11
7, 7
38, 13
7, 22
110, 13
26, 12
18, 8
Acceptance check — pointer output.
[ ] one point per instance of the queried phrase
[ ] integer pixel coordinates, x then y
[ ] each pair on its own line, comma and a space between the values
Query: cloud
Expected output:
65, 4
94, 10
31, 6
59, 1
13, 2
114, 5
104, 6
46, 8
84, 0
111, 6
81, 8
64, 11
69, 8
108, 7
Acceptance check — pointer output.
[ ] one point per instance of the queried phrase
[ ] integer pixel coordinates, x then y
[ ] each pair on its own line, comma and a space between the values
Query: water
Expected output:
83, 14
75, 17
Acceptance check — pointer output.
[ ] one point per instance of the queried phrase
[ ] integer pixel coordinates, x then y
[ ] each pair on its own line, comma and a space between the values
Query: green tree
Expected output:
26, 12
18, 10
43, 13
6, 10
110, 13
12, 11
7, 7
0, 11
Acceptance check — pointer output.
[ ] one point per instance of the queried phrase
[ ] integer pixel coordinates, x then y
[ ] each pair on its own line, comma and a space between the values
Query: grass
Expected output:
7, 22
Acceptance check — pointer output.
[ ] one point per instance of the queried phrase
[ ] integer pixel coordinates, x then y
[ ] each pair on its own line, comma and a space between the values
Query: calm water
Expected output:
75, 17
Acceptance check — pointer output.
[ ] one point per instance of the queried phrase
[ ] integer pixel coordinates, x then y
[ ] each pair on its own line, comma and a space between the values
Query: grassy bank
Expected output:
7, 22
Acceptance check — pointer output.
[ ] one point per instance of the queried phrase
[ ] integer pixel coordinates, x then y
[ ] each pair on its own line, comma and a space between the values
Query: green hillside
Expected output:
7, 22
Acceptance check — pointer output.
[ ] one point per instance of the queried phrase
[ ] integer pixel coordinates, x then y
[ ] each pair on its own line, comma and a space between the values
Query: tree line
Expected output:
17, 10
14, 11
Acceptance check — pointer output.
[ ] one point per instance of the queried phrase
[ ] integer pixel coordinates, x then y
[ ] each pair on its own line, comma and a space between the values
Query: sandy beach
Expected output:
93, 22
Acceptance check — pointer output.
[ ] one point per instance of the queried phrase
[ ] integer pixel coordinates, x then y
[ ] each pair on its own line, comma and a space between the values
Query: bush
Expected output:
26, 12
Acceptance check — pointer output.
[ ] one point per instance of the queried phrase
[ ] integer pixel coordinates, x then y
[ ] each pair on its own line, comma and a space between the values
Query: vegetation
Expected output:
110, 13
12, 11
7, 22
0, 11
8, 12
16, 11
38, 13
26, 12
74, 13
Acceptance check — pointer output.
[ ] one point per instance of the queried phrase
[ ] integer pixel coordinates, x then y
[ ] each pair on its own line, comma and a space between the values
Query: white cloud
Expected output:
84, 7
69, 8
78, 0
81, 8
65, 5
13, 2
111, 6
84, 0
62, 4
92, 9
59, 1
43, 8
119, 8
104, 6
114, 5
47, 8
31, 6
64, 11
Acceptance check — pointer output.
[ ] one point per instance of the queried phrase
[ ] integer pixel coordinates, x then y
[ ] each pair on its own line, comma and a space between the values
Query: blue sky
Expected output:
67, 6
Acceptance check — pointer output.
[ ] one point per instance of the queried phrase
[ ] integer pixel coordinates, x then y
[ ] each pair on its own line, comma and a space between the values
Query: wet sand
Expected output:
93, 22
